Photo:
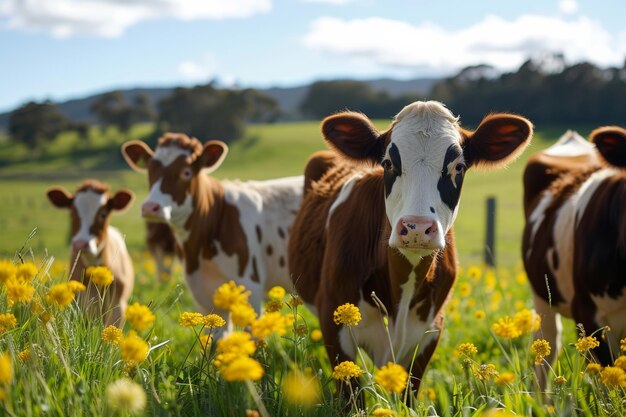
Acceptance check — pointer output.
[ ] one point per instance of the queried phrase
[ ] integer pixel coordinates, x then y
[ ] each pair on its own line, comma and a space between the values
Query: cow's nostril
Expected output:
431, 230
404, 231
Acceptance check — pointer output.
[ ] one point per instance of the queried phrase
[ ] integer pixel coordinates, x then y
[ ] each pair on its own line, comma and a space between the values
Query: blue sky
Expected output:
60, 49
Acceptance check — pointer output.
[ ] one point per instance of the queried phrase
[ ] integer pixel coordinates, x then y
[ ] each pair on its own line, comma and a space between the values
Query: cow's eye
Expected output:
186, 174
460, 167
387, 164
102, 216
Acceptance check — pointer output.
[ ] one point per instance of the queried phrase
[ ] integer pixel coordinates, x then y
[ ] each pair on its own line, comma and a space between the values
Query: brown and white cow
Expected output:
96, 243
574, 244
380, 220
227, 229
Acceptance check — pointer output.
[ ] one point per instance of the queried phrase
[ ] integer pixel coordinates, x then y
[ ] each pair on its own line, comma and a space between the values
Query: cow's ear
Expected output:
121, 200
498, 140
353, 135
137, 154
611, 143
213, 154
60, 197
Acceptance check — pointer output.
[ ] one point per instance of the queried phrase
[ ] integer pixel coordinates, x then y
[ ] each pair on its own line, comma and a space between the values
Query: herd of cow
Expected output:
374, 214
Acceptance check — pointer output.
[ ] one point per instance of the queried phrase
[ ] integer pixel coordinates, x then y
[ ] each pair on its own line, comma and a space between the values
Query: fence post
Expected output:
490, 233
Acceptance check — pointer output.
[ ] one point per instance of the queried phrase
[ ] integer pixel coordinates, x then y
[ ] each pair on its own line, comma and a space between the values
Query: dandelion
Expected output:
527, 321
560, 380
125, 395
585, 344
276, 293
490, 280
485, 372
479, 314
18, 292
465, 289
242, 314
75, 286
111, 334
269, 323
7, 322
100, 275
133, 349
7, 270
346, 370
316, 335
187, 319
505, 378
242, 368
540, 348
347, 314
301, 388
212, 321
26, 271
235, 345
474, 273
273, 305
613, 377
519, 305
139, 316
593, 368
506, 328
24, 355
380, 412
622, 344
229, 294
60, 295
620, 362
467, 349
391, 377
6, 368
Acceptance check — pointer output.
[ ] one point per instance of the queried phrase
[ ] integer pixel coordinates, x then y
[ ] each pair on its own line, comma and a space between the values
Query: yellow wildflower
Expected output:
276, 293
126, 396
24, 355
229, 294
301, 388
75, 286
205, 341
212, 321
527, 321
467, 349
7, 270
613, 377
187, 319
346, 370
133, 349
585, 344
485, 372
465, 289
593, 368
347, 314
431, 394
270, 323
7, 322
480, 314
242, 314
100, 275
391, 377
380, 412
506, 328
295, 301
474, 273
273, 305
519, 305
540, 348
6, 368
490, 281
316, 335
61, 295
242, 368
560, 380
233, 346
505, 378
111, 334
18, 292
252, 413
620, 362
139, 316
26, 271
622, 344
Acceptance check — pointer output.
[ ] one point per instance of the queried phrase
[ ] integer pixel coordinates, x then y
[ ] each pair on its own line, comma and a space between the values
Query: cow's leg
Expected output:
424, 354
551, 330
584, 312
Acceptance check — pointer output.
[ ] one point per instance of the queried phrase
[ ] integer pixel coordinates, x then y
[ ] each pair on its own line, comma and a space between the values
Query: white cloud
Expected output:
333, 2
568, 6
110, 18
194, 71
495, 41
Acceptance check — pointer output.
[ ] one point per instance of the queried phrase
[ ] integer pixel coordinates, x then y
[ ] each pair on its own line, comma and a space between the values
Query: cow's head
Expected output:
424, 155
173, 173
611, 144
90, 208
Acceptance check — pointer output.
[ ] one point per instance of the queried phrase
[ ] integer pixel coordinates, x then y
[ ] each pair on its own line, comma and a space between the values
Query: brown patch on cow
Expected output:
317, 165
259, 233
93, 185
171, 181
269, 250
182, 141
281, 232
255, 271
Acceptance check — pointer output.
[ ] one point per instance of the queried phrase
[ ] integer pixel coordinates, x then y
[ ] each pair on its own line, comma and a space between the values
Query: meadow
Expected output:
58, 362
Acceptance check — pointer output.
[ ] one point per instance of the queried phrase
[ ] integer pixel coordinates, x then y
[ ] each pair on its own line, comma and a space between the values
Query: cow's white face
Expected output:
423, 174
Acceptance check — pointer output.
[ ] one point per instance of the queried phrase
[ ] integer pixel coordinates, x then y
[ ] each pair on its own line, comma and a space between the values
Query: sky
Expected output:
63, 49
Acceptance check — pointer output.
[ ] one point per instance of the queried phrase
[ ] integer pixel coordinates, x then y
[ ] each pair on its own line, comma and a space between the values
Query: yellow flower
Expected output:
139, 316
133, 349
187, 319
75, 286
276, 293
7, 270
270, 323
26, 271
620, 362
60, 295
506, 328
346, 370
490, 281
613, 377
347, 314
527, 321
273, 305
380, 412
467, 349
480, 314
111, 335
242, 314
6, 368
7, 322
212, 321
24, 355
235, 345
519, 305
205, 341
229, 294
301, 388
593, 368
540, 348
242, 368
505, 378
585, 344
622, 344
295, 301
431, 394
100, 275
560, 380
18, 292
465, 289
485, 372
125, 395
521, 278
391, 377
474, 273
316, 335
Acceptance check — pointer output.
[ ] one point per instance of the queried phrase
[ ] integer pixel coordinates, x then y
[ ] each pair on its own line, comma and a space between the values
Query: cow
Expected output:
228, 230
378, 219
574, 242
95, 243
162, 245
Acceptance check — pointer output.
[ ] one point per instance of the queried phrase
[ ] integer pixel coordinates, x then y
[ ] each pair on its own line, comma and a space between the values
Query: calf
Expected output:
574, 244
226, 229
380, 220
95, 243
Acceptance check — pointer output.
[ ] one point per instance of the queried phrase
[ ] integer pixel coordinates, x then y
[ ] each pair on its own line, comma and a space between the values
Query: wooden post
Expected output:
490, 232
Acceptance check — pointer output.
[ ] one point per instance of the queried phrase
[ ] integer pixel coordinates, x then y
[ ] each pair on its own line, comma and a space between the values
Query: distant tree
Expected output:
34, 123
113, 109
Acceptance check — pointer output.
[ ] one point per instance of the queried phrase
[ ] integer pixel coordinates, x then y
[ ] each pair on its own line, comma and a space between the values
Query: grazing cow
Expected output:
96, 243
574, 244
226, 229
162, 244
380, 220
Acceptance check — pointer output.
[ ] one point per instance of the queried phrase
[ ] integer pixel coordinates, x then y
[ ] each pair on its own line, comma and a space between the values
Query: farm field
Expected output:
68, 366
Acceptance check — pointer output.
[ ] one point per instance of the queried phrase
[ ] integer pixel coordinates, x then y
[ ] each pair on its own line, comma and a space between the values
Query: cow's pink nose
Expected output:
150, 209
80, 244
415, 231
